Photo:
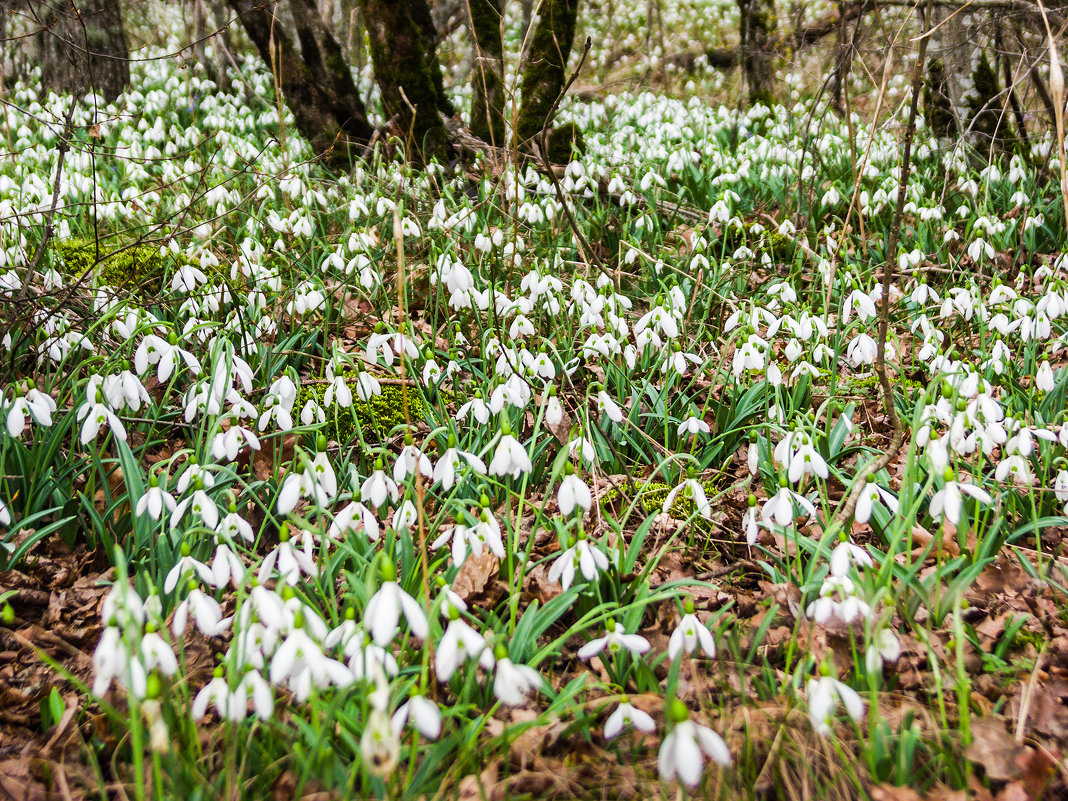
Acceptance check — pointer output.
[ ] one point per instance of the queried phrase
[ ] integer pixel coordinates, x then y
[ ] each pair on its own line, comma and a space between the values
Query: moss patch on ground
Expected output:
374, 419
140, 267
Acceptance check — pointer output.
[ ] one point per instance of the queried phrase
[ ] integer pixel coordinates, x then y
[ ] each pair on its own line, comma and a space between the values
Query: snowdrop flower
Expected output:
251, 687
217, 693
838, 598
154, 500
946, 503
584, 448
980, 248
380, 745
229, 443
694, 490
226, 566
207, 614
683, 751
367, 659
1060, 486
582, 555
885, 647
96, 415
806, 460
422, 713
300, 664
5, 515
411, 460
386, 606
573, 492
510, 457
554, 411
187, 564
608, 407
404, 516
476, 407
367, 386
156, 654
627, 715
354, 517
289, 561
749, 521
869, 496
615, 639
112, 661
846, 553
824, 695
689, 634
201, 505
164, 353
459, 643
1044, 377
513, 683
1015, 467
232, 525
122, 607
863, 303
693, 425
378, 487
34, 403
779, 508
862, 349
445, 469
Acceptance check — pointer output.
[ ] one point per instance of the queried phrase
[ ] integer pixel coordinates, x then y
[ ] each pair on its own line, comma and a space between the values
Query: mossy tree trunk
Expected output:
82, 45
317, 87
545, 66
988, 124
424, 21
937, 106
487, 78
758, 21
407, 73
327, 62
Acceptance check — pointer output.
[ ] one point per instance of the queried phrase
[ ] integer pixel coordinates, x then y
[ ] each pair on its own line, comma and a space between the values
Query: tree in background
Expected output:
82, 46
758, 22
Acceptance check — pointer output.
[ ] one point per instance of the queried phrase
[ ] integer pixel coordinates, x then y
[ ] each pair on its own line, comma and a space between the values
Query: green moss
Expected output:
564, 142
651, 497
374, 419
869, 384
141, 267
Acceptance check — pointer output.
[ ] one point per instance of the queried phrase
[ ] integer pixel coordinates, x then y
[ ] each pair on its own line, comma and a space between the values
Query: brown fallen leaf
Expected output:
994, 749
891, 792
475, 574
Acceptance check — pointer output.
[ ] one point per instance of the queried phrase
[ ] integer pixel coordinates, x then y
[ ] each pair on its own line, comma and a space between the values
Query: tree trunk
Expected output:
424, 21
317, 87
758, 22
487, 78
82, 46
545, 66
407, 73
328, 65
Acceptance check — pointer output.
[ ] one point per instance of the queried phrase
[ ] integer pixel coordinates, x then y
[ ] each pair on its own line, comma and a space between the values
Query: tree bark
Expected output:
545, 66
82, 46
758, 23
328, 65
317, 88
487, 78
407, 73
